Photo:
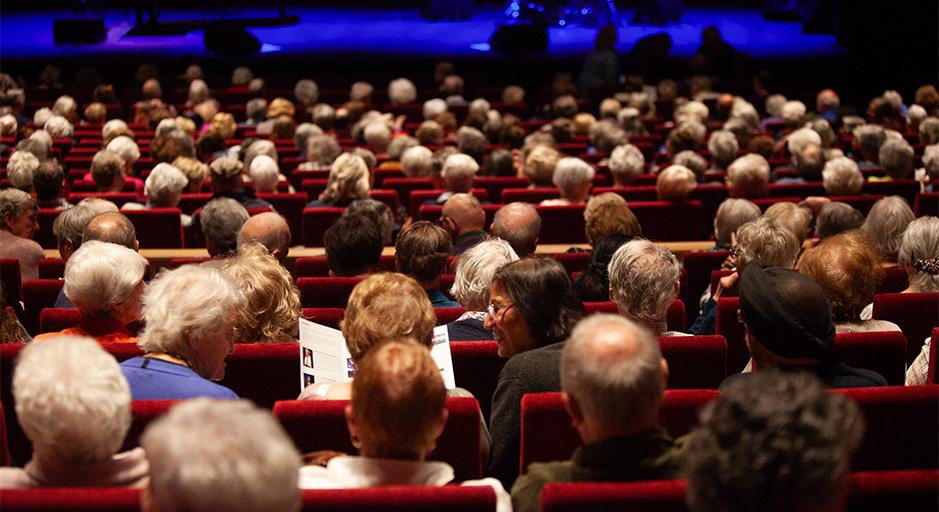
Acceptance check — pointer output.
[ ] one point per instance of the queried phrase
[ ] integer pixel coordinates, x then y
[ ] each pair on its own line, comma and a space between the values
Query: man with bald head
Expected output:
518, 224
269, 229
612, 380
463, 217
112, 227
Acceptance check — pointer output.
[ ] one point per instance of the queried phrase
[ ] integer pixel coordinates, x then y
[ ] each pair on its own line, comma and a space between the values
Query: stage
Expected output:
330, 32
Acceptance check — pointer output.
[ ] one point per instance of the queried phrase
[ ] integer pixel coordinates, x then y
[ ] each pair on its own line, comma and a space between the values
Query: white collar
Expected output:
352, 471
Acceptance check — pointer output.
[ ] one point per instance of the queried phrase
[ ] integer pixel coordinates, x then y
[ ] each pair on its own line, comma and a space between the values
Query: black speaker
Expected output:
230, 40
531, 38
78, 31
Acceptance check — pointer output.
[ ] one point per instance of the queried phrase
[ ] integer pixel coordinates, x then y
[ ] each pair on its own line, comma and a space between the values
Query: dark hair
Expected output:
353, 245
499, 163
47, 180
541, 290
593, 285
837, 217
422, 249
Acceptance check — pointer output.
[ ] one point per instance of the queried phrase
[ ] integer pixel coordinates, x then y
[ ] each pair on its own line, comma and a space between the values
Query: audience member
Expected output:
227, 182
841, 177
269, 229
625, 163
896, 160
353, 246
471, 286
518, 224
221, 220
349, 179
539, 166
21, 167
164, 189
797, 219
837, 217
675, 183
593, 284
886, 222
273, 302
464, 219
47, 182
378, 212
731, 214
644, 281
418, 162
748, 177
458, 173
607, 215
422, 251
20, 222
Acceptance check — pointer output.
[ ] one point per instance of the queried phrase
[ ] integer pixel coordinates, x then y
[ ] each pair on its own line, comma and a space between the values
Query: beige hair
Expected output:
273, 302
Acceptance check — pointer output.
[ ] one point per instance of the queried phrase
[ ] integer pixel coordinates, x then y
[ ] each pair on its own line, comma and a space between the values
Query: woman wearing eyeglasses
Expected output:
532, 310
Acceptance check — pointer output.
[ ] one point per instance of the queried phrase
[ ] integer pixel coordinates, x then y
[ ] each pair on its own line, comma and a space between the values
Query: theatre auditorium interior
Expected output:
469, 255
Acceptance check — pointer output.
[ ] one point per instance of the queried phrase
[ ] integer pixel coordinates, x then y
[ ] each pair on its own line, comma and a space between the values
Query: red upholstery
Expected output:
528, 195
800, 190
447, 315
44, 236
451, 498
65, 499
321, 425
874, 491
695, 362
882, 352
57, 319
895, 280
118, 198
318, 266
404, 186
419, 197
728, 325
143, 413
189, 203
264, 373
157, 228
431, 212
711, 196
10, 279
4, 442
907, 189
38, 294
494, 185
573, 261
699, 266
862, 204
660, 496
915, 313
631, 193
926, 203
675, 317
667, 222
383, 174
547, 434
313, 187
326, 292
476, 368
931, 376
315, 223
900, 427
329, 317
291, 206
51, 268
562, 224
178, 262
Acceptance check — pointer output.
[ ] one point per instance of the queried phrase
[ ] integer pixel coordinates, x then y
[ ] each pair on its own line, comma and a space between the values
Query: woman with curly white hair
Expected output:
573, 177
273, 302
74, 406
471, 285
164, 189
349, 179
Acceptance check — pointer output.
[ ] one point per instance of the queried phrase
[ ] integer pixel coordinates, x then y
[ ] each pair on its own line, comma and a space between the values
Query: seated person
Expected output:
644, 281
573, 177
269, 229
612, 380
775, 442
421, 252
164, 189
519, 224
349, 179
227, 182
837, 217
47, 182
919, 256
379, 213
675, 183
608, 214
221, 220
886, 222
242, 456
190, 315
593, 284
788, 326
463, 217
19, 221
457, 173
397, 412
353, 246
74, 406
273, 302
471, 285
105, 282
731, 214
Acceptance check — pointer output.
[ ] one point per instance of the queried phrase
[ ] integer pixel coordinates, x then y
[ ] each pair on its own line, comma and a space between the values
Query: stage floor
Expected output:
324, 32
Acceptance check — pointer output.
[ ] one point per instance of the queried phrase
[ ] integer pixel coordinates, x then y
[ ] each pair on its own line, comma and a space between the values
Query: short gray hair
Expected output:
14, 202
71, 399
306, 91
433, 108
617, 382
303, 133
642, 280
64, 105
221, 220
417, 162
764, 240
377, 135
100, 276
112, 126
626, 162
793, 112
919, 251
164, 185
571, 172
258, 148
870, 137
886, 222
797, 141
475, 269
675, 183
731, 214
723, 147
42, 115
399, 145
106, 165
931, 161
692, 161
774, 104
841, 177
125, 147
401, 91
241, 456
70, 224
837, 217
322, 150
519, 224
264, 174
20, 169
896, 158
58, 127
748, 176
929, 130
256, 108
459, 165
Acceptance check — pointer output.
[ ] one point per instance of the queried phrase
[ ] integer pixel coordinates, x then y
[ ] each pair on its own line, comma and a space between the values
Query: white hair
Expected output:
100, 276
886, 222
692, 160
894, 99
626, 162
323, 114
71, 400
42, 115
616, 382
800, 139
165, 185
570, 173
643, 279
20, 169
112, 126
433, 108
303, 133
401, 91
417, 162
871, 136
929, 130
209, 455
475, 269
241, 75
64, 105
748, 176
692, 111
126, 148
221, 220
915, 115
675, 183
764, 240
896, 157
198, 91
264, 174
459, 165
841, 177
731, 214
258, 148
723, 147
306, 91
43, 138
774, 104
793, 112
919, 254
479, 106
931, 160
166, 126
377, 136
358, 91
8, 125
58, 127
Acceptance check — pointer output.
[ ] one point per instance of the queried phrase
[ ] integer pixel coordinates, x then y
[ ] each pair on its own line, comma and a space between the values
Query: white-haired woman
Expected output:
401, 91
74, 406
919, 256
105, 282
458, 172
573, 177
626, 162
474, 273
349, 179
20, 170
841, 177
886, 222
19, 222
190, 314
417, 162
265, 175
164, 188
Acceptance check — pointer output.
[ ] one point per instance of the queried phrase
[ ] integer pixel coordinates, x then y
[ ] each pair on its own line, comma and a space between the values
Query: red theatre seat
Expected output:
494, 185
675, 317
143, 412
264, 373
315, 223
57, 319
476, 367
318, 266
926, 203
632, 193
38, 294
419, 197
118, 198
915, 313
528, 195
326, 292
431, 212
4, 442
330, 317
699, 266
44, 235
64, 499
562, 224
573, 261
661, 496
157, 228
875, 491
404, 186
51, 268
668, 222
907, 189
321, 425
452, 498
931, 376
11, 280
291, 206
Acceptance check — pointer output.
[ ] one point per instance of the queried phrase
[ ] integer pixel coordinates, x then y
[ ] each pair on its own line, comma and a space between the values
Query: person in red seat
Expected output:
397, 412
886, 222
353, 246
273, 301
421, 251
208, 456
518, 224
573, 177
105, 282
919, 256
612, 379
221, 220
269, 229
19, 222
464, 219
349, 179
74, 406
471, 286
644, 281
748, 177
775, 442
675, 183
164, 188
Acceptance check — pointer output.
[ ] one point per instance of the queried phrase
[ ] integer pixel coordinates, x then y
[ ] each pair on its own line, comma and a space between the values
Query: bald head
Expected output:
113, 228
270, 230
518, 224
465, 213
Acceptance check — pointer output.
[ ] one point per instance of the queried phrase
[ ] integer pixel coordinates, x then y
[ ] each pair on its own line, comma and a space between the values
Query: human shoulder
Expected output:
526, 492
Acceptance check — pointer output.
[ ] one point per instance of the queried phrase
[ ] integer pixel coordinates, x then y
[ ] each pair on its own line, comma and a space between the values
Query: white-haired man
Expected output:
417, 162
463, 217
644, 281
612, 380
842, 177
242, 456
221, 220
626, 162
458, 172
269, 229
519, 224
74, 406
748, 177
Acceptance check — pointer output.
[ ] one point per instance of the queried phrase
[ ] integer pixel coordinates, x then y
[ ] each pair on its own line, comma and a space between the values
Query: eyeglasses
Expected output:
494, 309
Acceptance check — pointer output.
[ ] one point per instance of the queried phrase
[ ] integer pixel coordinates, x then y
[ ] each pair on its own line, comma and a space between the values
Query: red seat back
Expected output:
157, 228
315, 223
695, 362
874, 491
38, 294
907, 189
882, 352
931, 374
404, 186
321, 425
661, 496
915, 313
419, 197
632, 193
51, 268
528, 195
452, 498
675, 317
143, 412
926, 203
431, 212
118, 198
65, 499
330, 317
58, 319
264, 373
573, 261
4, 442
895, 280
10, 279
728, 325
667, 222
494, 185
699, 266
562, 224
326, 292
44, 236
291, 206
318, 266
476, 368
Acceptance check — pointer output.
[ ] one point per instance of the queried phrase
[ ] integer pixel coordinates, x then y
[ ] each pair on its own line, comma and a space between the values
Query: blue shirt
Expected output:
154, 379
439, 300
